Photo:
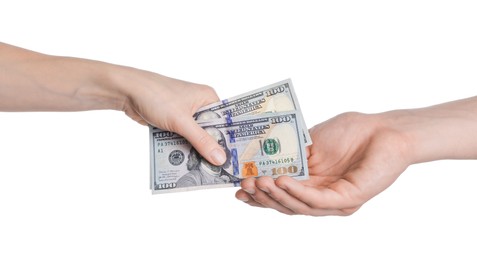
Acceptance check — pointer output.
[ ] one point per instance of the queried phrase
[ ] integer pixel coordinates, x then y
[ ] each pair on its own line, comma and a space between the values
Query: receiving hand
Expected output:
353, 158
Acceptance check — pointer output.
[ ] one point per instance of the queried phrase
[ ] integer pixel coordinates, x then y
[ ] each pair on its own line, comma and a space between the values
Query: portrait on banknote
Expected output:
269, 144
201, 172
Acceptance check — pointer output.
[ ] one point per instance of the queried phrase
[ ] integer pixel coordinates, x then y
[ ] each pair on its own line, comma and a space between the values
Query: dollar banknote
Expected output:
267, 144
277, 97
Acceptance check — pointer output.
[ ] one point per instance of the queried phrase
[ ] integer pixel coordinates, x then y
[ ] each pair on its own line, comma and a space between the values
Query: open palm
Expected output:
353, 157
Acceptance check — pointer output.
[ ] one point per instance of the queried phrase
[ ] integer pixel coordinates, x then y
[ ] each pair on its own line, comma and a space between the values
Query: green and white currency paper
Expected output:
277, 97
269, 144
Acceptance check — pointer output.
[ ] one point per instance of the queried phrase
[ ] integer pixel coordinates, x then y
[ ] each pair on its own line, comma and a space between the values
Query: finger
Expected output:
259, 198
135, 116
292, 204
260, 195
308, 152
285, 198
289, 204
322, 198
248, 185
282, 197
245, 197
209, 94
202, 95
205, 144
248, 188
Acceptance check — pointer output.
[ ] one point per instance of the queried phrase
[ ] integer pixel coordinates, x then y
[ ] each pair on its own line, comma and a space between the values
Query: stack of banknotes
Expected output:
262, 132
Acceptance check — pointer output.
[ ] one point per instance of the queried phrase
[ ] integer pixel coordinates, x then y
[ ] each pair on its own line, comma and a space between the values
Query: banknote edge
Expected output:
193, 188
306, 134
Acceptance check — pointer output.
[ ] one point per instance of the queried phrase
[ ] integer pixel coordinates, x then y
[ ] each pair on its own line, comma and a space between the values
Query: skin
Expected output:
219, 138
356, 156
31, 81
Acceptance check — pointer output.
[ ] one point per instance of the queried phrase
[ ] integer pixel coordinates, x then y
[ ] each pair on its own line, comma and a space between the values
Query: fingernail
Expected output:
249, 191
243, 199
218, 156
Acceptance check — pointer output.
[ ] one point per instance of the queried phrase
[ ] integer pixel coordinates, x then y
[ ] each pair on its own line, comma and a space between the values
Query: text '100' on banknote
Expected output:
269, 144
277, 97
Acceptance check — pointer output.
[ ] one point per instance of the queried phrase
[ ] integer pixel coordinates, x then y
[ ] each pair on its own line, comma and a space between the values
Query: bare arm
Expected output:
444, 131
356, 156
31, 81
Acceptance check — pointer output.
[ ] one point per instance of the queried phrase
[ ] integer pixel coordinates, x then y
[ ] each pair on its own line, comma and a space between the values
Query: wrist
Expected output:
439, 132
126, 84
78, 84
109, 89
406, 125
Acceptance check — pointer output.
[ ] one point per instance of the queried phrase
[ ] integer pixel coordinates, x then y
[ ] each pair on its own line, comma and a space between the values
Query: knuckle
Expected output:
350, 115
278, 197
247, 183
264, 182
280, 181
205, 139
208, 91
262, 198
174, 126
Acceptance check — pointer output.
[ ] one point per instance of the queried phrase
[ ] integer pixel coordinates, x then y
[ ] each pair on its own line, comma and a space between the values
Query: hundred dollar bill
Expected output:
261, 145
277, 97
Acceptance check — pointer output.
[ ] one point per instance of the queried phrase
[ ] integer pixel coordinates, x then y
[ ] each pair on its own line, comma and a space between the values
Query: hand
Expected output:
169, 104
31, 81
353, 158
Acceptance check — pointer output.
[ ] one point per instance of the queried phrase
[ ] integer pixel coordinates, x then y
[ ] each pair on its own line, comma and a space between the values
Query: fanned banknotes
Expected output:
262, 132
277, 97
261, 145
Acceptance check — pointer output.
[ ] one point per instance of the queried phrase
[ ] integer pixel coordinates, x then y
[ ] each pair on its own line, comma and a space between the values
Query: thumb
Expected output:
202, 142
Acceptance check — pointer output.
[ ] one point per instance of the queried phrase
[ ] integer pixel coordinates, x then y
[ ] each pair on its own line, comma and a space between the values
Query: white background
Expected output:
76, 185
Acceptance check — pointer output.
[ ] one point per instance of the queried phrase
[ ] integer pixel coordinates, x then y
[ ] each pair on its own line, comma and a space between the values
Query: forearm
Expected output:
445, 131
31, 81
